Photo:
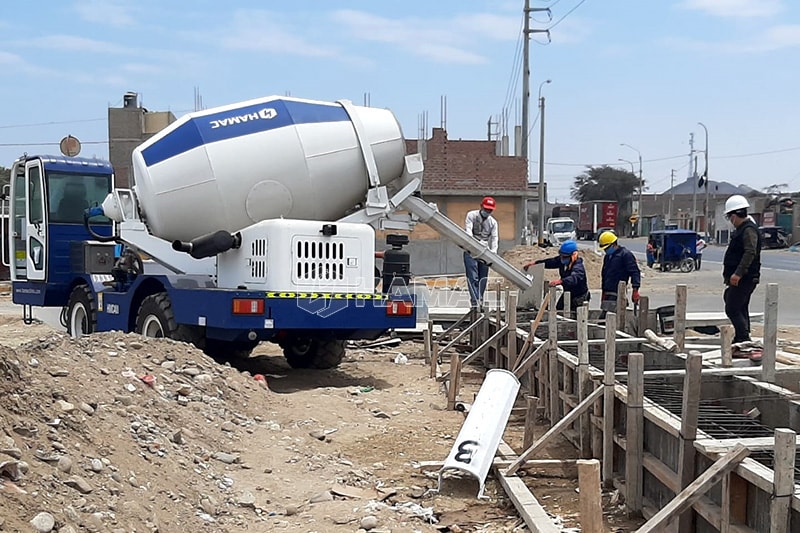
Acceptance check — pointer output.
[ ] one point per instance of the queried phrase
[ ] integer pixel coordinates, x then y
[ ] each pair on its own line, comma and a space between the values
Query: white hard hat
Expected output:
736, 202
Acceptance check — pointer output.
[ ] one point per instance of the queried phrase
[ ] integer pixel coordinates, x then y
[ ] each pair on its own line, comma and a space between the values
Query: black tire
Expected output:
156, 319
81, 315
687, 265
313, 353
228, 350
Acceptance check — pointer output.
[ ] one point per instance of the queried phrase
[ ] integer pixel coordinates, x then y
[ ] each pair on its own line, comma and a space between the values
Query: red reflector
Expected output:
399, 308
248, 306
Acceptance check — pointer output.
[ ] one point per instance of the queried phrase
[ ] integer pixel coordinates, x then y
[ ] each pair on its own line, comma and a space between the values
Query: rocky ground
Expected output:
120, 433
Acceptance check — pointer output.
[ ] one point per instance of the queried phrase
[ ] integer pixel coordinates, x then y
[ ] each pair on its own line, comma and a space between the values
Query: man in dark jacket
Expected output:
741, 268
572, 274
619, 264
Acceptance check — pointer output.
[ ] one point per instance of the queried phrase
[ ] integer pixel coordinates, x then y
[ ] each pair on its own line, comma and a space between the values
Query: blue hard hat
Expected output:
568, 247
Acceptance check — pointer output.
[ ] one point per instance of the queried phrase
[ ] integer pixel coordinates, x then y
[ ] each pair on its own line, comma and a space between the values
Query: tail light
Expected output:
248, 306
399, 308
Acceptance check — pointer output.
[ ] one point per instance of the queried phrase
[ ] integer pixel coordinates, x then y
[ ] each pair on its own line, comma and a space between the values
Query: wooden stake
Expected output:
530, 420
680, 317
497, 357
427, 340
725, 506
608, 399
770, 334
584, 381
511, 338
726, 337
783, 480
567, 296
688, 496
590, 496
539, 316
622, 304
552, 333
634, 434
434, 359
689, 413
644, 312
455, 381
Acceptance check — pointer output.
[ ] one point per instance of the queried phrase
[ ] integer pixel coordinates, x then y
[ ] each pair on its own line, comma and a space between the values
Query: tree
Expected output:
5, 176
607, 183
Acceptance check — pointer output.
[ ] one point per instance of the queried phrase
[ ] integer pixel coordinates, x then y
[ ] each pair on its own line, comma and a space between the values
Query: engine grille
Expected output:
317, 260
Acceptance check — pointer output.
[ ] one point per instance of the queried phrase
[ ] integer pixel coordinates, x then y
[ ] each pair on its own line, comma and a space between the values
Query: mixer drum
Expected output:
229, 167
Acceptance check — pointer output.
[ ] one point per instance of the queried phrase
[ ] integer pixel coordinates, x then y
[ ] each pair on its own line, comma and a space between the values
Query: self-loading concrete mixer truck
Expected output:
249, 222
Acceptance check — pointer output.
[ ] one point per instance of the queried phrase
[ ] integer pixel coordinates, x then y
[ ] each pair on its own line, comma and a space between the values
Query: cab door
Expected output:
35, 223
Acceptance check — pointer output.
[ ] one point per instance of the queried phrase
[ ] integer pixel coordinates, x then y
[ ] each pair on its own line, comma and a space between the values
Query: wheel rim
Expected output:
78, 321
152, 327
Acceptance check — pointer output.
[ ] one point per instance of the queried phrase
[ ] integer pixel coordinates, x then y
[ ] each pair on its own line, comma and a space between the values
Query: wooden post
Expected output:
696, 490
455, 381
497, 357
634, 434
770, 334
680, 317
530, 421
725, 506
608, 399
591, 506
726, 339
552, 333
511, 320
567, 296
644, 312
622, 304
434, 359
689, 413
783, 480
584, 380
427, 340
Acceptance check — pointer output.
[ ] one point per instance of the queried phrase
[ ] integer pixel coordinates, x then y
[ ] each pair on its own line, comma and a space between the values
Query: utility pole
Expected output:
640, 209
671, 193
526, 96
705, 182
693, 177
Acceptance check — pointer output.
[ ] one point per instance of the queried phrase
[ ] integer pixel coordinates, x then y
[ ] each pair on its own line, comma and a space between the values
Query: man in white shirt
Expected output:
483, 227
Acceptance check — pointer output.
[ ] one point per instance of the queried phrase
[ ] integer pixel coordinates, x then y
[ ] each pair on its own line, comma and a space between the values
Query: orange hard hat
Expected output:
488, 203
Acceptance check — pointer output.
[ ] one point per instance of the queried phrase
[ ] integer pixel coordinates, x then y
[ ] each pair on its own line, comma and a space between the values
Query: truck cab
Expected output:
559, 230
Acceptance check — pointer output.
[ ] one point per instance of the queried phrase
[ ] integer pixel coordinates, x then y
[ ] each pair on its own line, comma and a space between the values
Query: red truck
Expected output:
596, 215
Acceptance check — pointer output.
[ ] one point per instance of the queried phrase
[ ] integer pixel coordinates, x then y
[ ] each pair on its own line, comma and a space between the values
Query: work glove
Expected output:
635, 296
527, 266
555, 283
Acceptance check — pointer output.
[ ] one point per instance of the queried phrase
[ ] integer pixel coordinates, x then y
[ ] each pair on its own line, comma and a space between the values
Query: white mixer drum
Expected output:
229, 167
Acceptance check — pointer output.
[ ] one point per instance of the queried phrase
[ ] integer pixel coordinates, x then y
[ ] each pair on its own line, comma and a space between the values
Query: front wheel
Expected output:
81, 312
687, 265
156, 318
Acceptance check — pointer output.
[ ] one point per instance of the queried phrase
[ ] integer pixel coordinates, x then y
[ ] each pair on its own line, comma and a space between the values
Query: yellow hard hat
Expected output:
606, 239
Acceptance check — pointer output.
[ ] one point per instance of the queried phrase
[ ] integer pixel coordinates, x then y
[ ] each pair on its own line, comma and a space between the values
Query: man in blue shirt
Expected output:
572, 274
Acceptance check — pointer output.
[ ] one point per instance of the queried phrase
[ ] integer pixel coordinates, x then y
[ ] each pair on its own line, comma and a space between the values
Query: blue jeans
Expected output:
477, 276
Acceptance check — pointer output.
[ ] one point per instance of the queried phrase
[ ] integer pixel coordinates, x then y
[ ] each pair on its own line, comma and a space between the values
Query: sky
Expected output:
642, 73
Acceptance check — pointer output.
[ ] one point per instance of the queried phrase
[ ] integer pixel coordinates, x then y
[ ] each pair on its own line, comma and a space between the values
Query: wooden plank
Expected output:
530, 420
716, 371
680, 317
562, 424
594, 342
427, 340
634, 434
455, 381
726, 336
511, 324
528, 507
689, 413
695, 490
713, 447
472, 356
567, 296
496, 360
434, 360
552, 333
584, 381
783, 482
608, 399
725, 508
591, 507
469, 329
770, 333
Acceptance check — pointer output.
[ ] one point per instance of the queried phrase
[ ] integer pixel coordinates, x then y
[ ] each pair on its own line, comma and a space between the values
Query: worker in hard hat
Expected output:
619, 264
741, 272
483, 227
572, 274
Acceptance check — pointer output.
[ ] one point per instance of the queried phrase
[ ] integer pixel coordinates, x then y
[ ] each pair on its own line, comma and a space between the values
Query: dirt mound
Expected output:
520, 255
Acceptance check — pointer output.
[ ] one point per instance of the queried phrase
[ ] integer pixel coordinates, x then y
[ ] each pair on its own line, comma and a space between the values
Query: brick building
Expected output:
458, 174
128, 127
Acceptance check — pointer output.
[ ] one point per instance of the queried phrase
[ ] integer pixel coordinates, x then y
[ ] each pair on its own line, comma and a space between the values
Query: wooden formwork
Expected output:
657, 457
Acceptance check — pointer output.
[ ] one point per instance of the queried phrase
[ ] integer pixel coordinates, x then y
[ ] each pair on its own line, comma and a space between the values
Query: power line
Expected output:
11, 145
556, 23
51, 123
516, 67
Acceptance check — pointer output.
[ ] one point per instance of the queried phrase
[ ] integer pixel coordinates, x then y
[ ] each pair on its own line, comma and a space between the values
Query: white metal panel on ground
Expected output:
480, 435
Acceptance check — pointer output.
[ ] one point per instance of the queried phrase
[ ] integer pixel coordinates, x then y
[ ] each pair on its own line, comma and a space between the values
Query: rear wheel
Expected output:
156, 319
229, 350
687, 264
301, 352
81, 312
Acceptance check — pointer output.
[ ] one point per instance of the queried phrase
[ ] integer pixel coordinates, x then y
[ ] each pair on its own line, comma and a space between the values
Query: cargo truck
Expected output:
594, 216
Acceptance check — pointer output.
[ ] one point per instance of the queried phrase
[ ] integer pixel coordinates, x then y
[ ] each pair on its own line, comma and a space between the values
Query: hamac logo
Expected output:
262, 114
